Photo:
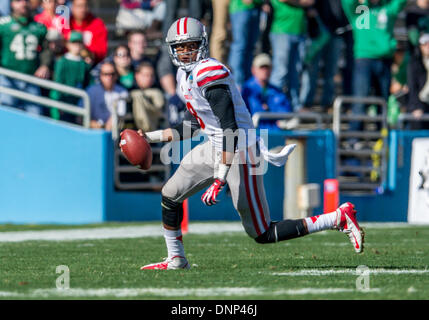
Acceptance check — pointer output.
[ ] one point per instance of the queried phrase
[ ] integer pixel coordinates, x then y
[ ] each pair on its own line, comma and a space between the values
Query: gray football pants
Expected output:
196, 172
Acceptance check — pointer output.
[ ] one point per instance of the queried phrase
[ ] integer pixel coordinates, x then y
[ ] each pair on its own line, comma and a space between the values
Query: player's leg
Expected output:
194, 173
247, 190
343, 219
248, 197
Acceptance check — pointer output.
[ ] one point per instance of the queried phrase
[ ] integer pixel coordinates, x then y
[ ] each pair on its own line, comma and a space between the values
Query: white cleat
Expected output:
173, 263
347, 223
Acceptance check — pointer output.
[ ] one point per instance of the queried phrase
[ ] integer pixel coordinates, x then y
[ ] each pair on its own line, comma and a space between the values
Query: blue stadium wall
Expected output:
54, 173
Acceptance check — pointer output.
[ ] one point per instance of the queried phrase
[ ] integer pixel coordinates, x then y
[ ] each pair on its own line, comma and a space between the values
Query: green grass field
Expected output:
225, 266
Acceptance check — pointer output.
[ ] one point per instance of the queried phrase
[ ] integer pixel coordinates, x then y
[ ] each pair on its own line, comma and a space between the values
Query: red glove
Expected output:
209, 197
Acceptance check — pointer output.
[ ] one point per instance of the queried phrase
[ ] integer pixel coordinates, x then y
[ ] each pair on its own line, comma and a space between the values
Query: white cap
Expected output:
424, 38
261, 60
53, 35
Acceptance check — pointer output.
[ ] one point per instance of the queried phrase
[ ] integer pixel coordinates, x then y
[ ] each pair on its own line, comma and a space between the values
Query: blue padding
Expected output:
393, 151
50, 173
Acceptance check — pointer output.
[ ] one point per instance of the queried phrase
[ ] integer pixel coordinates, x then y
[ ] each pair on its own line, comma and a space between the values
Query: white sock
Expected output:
321, 222
173, 240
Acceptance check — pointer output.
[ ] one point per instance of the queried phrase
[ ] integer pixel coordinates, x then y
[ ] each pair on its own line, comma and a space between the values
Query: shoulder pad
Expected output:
210, 71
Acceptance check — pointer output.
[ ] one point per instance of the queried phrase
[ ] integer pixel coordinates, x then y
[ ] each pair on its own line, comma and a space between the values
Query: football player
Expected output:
228, 157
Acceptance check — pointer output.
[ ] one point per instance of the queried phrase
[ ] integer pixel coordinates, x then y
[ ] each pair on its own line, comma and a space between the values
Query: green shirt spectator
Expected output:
70, 70
288, 18
21, 39
241, 5
373, 22
123, 64
127, 80
23, 48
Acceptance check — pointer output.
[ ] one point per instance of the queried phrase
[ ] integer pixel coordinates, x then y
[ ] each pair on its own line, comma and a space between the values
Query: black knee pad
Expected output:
172, 212
268, 236
283, 230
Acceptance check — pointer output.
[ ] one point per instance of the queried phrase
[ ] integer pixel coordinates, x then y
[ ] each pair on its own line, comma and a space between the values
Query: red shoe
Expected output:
347, 223
176, 262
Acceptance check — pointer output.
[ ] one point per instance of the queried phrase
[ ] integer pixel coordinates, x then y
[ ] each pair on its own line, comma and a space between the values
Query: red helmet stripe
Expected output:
185, 25
178, 26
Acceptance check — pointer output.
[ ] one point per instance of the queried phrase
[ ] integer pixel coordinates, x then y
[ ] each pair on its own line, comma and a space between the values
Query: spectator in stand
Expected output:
122, 61
147, 101
105, 97
219, 30
142, 15
335, 32
417, 22
92, 28
56, 44
137, 44
261, 96
24, 49
66, 3
418, 83
374, 47
137, 47
70, 70
244, 16
35, 7
288, 36
48, 16
195, 10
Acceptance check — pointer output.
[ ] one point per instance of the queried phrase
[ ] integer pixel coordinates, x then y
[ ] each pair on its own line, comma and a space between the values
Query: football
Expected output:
136, 149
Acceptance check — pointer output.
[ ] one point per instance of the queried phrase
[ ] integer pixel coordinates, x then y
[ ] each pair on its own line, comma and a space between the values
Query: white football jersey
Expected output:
192, 90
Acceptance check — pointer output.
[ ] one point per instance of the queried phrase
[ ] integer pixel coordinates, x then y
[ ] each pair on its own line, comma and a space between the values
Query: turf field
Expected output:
225, 265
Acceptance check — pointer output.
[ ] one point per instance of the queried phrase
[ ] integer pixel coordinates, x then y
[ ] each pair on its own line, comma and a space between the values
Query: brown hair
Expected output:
110, 63
144, 64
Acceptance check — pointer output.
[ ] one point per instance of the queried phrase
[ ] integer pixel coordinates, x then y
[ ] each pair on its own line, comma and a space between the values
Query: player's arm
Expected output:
184, 130
220, 100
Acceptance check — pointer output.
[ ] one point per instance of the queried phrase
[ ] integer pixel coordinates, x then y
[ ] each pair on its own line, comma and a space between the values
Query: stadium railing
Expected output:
84, 111
361, 155
295, 118
405, 118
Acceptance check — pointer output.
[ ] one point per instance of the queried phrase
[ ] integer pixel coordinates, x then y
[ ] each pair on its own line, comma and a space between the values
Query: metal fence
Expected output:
361, 155
84, 111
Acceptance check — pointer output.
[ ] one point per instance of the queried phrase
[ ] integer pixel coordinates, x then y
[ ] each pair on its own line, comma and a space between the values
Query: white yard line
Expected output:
328, 272
173, 292
114, 232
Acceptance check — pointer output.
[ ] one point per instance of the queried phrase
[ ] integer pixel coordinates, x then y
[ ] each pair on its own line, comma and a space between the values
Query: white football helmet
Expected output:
183, 30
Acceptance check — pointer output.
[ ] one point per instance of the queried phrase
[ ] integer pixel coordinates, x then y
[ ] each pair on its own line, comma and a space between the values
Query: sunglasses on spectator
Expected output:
122, 55
108, 74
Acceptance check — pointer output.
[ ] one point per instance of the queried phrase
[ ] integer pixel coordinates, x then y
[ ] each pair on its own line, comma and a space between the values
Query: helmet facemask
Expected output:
202, 53
187, 30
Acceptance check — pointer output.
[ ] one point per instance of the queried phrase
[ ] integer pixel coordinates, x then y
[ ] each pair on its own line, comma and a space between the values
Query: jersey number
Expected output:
194, 113
24, 47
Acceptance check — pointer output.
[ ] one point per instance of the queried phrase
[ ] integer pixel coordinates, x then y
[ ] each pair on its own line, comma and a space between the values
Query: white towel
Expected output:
277, 159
